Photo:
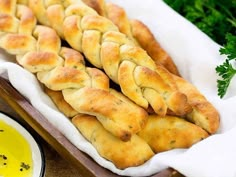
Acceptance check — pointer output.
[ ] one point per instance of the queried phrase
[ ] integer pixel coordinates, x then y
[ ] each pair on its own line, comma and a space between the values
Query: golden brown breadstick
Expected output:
148, 42
135, 30
105, 47
60, 103
38, 49
204, 114
161, 133
97, 5
169, 132
123, 154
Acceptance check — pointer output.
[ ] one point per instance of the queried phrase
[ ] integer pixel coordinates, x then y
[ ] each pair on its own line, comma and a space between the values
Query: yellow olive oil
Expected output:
15, 153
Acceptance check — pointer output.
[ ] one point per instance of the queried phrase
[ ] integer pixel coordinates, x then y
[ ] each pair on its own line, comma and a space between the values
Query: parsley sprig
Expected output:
230, 48
216, 18
226, 70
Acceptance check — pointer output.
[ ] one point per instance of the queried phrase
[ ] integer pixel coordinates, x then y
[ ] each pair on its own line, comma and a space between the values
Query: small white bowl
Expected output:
38, 160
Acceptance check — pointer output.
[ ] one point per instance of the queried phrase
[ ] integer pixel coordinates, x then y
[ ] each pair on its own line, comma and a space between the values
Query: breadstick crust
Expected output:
86, 31
136, 30
60, 103
117, 114
38, 49
204, 114
122, 154
149, 43
119, 17
97, 5
169, 132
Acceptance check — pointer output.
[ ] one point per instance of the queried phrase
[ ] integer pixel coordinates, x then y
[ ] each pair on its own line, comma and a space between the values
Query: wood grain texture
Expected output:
85, 165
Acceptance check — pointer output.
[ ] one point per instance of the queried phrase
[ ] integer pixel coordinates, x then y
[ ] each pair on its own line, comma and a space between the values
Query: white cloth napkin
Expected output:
196, 57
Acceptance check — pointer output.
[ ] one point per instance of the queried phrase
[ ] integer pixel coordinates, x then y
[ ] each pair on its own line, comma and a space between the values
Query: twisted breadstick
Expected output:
204, 114
160, 133
136, 31
170, 132
123, 154
105, 47
38, 49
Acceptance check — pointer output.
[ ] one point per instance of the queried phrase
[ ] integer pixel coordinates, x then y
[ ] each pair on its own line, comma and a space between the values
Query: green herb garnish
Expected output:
216, 18
226, 70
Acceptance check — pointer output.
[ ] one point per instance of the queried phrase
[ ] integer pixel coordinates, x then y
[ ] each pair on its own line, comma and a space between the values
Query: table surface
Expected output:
56, 166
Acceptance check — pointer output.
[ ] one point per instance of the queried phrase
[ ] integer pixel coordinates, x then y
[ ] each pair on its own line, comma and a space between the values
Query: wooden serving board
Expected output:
85, 165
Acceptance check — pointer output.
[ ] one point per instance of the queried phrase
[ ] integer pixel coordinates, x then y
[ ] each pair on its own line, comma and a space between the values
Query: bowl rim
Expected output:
34, 138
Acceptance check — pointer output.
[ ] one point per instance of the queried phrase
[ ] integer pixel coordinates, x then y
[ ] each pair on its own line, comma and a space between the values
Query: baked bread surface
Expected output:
123, 154
86, 31
204, 114
169, 132
63, 69
113, 118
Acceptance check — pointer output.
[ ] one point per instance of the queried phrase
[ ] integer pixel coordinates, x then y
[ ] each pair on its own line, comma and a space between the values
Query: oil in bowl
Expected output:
20, 154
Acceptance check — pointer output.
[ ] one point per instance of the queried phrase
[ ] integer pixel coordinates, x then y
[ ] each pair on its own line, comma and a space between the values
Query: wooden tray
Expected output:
85, 165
